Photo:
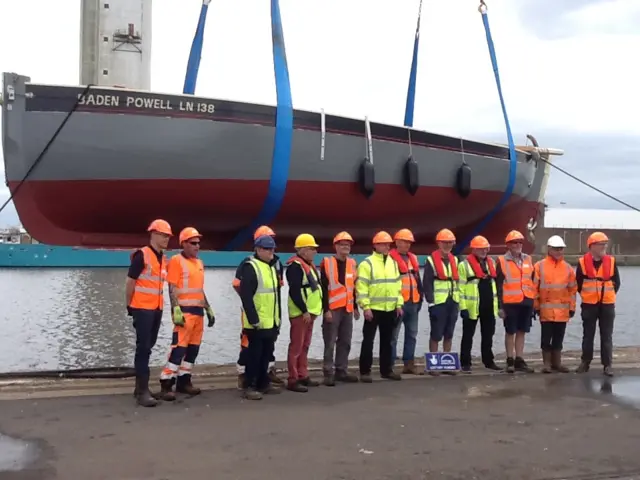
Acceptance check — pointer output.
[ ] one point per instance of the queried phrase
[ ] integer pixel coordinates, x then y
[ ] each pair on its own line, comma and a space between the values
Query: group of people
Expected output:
387, 287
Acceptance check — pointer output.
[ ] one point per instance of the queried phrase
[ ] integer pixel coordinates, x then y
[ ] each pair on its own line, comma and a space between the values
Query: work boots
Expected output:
143, 394
166, 390
521, 366
329, 380
345, 376
184, 386
411, 369
556, 362
583, 367
273, 378
546, 359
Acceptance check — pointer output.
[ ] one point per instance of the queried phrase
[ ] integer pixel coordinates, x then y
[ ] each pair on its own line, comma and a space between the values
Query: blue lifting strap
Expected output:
411, 89
283, 135
513, 162
191, 77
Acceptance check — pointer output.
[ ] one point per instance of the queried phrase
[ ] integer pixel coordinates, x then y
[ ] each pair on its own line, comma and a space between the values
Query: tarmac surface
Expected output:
477, 426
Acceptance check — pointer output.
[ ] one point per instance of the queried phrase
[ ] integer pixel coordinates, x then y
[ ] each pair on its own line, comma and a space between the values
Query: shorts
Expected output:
190, 333
443, 318
517, 318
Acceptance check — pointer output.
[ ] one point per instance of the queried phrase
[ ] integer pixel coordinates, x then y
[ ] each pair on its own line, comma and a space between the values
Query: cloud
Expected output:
558, 19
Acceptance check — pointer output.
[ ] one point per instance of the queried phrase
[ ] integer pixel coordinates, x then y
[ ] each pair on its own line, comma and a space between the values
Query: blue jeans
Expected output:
410, 322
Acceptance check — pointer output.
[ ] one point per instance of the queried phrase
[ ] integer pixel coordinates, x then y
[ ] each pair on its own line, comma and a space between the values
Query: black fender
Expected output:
411, 176
463, 180
367, 178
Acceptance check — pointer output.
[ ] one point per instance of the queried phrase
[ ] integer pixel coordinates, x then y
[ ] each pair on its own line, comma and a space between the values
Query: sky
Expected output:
568, 68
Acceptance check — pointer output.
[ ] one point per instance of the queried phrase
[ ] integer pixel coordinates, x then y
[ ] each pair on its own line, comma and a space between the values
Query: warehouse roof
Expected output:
592, 218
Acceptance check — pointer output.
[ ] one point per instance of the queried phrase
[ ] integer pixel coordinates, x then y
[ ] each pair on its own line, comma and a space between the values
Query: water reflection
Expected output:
15, 454
624, 389
76, 318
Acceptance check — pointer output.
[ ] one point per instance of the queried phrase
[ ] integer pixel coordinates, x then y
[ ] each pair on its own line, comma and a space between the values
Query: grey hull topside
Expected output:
108, 145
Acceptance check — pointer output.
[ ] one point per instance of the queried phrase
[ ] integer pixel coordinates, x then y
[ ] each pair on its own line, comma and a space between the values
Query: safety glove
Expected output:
211, 316
177, 317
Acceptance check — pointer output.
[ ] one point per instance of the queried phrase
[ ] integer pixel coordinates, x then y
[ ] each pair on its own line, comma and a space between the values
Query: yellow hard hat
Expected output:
305, 240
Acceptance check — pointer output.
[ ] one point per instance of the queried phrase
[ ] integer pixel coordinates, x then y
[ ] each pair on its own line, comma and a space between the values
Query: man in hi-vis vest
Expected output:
379, 290
442, 293
145, 301
337, 278
189, 303
478, 303
516, 294
305, 304
598, 282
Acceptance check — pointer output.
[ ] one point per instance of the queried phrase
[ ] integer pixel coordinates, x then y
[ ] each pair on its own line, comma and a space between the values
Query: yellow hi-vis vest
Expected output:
313, 300
469, 292
266, 297
379, 284
443, 289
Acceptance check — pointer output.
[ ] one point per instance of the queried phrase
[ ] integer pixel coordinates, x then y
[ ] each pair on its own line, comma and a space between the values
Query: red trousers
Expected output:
300, 341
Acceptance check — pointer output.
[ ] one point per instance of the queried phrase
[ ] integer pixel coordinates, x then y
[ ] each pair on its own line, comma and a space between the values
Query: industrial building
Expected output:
575, 225
115, 43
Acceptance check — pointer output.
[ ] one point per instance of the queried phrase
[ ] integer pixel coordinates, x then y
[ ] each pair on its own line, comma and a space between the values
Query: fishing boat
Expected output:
124, 157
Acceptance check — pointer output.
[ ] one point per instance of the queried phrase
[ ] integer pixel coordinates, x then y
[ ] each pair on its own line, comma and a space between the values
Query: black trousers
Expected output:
602, 316
386, 322
257, 357
147, 325
487, 322
552, 335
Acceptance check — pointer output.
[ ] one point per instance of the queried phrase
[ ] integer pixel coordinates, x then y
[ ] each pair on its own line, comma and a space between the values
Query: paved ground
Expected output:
500, 427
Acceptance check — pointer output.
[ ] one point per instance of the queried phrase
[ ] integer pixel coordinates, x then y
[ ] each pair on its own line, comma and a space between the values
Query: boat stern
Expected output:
14, 97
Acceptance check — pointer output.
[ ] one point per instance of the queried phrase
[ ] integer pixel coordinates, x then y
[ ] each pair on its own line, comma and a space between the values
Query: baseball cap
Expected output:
265, 241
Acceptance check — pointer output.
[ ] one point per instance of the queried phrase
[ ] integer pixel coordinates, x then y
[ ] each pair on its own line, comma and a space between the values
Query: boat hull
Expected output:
125, 158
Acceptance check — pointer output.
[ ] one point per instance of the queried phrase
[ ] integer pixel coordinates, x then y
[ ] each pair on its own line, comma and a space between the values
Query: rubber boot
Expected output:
144, 395
156, 395
166, 390
556, 362
241, 381
546, 359
184, 385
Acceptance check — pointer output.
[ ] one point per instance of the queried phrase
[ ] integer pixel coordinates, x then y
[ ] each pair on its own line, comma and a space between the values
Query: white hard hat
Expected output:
556, 241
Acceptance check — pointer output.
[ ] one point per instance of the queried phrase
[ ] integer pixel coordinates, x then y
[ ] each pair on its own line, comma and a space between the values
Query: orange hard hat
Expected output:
263, 230
160, 226
188, 233
343, 237
597, 237
382, 237
480, 242
445, 235
404, 234
513, 235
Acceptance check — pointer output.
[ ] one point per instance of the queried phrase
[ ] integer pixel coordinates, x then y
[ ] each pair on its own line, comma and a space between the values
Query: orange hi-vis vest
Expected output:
597, 286
340, 296
518, 283
148, 294
555, 282
190, 286
408, 272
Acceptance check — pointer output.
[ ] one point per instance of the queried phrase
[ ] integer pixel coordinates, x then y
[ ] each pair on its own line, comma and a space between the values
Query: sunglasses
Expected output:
194, 243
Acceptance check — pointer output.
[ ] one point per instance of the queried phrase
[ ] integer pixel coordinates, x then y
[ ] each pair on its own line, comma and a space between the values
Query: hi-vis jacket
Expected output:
445, 278
378, 285
148, 290
470, 275
555, 285
265, 298
187, 275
